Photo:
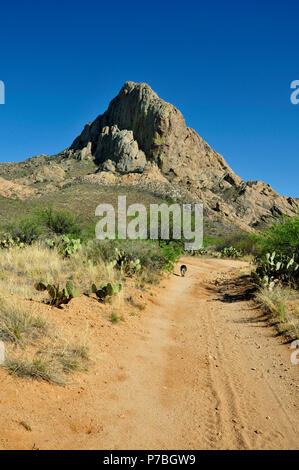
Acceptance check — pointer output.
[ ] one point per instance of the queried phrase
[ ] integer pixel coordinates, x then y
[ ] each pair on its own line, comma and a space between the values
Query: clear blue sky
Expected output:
227, 65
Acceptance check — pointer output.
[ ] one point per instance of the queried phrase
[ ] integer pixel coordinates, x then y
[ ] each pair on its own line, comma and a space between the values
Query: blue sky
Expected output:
227, 65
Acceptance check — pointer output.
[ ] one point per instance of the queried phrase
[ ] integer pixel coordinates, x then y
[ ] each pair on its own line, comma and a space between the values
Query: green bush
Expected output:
231, 252
242, 241
65, 244
59, 221
25, 230
45, 222
171, 253
152, 255
282, 237
210, 241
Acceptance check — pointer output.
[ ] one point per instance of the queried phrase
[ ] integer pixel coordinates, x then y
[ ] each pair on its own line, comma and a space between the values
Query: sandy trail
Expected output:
195, 373
202, 376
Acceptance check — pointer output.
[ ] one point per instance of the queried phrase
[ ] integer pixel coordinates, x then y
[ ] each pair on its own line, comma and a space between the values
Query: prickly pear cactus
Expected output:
58, 297
106, 291
7, 242
274, 268
126, 264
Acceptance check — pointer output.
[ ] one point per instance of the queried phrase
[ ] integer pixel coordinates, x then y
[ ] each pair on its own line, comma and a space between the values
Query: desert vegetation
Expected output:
34, 348
50, 258
277, 273
274, 256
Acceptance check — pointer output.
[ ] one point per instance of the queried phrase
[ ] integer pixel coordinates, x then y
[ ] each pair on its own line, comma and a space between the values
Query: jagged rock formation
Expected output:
143, 141
138, 126
122, 149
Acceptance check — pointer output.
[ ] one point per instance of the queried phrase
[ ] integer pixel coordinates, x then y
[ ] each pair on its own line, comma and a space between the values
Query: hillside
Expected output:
142, 143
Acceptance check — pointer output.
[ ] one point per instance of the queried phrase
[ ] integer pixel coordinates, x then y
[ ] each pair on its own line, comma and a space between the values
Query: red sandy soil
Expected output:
188, 372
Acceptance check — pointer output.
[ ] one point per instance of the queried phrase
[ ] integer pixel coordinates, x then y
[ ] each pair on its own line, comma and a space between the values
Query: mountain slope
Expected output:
143, 140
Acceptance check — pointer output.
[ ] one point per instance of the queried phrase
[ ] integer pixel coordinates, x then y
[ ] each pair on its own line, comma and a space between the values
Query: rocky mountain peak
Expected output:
159, 130
143, 140
139, 127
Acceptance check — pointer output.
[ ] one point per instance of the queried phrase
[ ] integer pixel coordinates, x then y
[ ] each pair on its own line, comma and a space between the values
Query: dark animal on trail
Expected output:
183, 270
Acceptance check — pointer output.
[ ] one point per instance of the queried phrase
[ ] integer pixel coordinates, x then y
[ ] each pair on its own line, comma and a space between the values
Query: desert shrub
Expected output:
171, 253
40, 369
242, 241
275, 303
50, 363
231, 252
59, 221
282, 237
69, 357
25, 230
151, 254
44, 222
99, 251
209, 241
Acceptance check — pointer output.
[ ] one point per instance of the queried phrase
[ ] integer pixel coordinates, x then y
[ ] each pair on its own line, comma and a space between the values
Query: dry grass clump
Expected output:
33, 260
140, 306
276, 301
26, 426
91, 271
33, 348
18, 326
146, 277
51, 363
39, 369
20, 268
114, 317
67, 357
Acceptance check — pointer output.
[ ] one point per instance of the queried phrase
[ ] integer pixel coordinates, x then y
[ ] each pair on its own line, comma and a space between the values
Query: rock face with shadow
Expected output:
138, 126
123, 150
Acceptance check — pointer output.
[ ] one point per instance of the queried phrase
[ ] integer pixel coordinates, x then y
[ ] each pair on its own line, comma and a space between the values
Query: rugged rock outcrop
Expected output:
122, 149
161, 133
143, 141
138, 127
11, 190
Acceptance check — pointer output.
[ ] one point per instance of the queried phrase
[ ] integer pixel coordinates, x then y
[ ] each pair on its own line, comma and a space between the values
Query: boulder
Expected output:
120, 148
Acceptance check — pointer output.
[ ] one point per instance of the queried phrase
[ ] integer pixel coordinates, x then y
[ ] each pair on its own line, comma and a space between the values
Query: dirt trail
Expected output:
194, 372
